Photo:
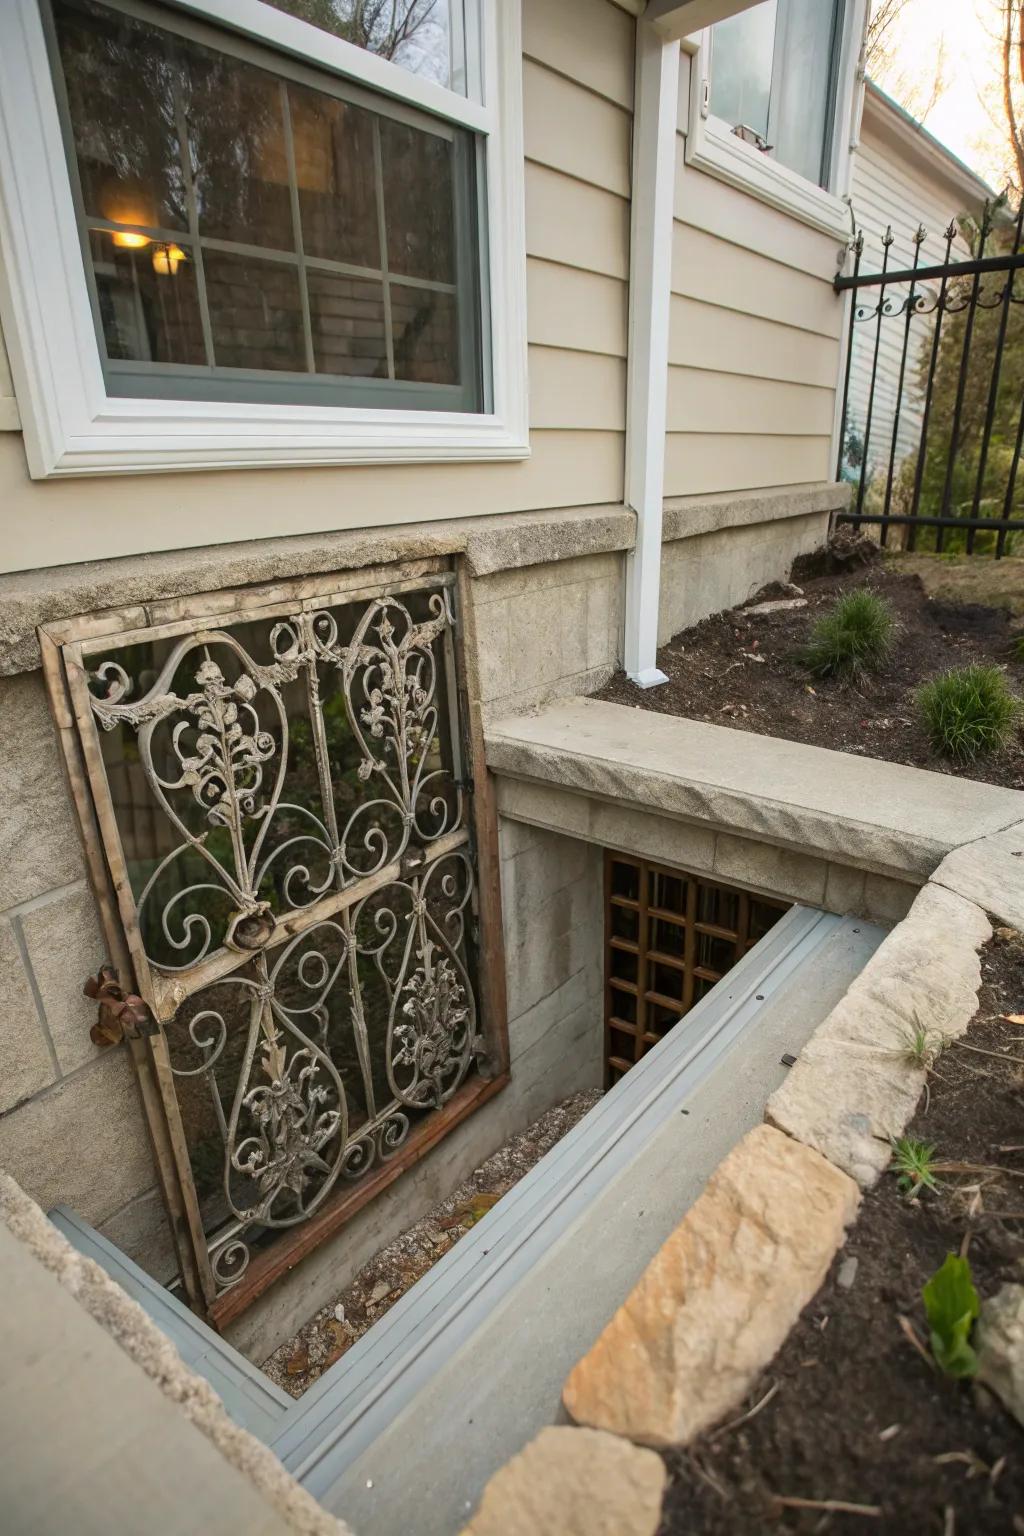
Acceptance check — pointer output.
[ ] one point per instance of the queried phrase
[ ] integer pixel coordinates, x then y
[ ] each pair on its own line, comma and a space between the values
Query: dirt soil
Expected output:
742, 670
297, 1364
858, 1415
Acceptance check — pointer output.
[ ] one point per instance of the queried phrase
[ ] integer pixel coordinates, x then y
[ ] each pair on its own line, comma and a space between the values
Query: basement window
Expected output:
669, 937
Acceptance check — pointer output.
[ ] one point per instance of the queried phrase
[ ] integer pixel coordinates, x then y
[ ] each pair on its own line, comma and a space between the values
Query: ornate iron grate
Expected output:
275, 799
669, 936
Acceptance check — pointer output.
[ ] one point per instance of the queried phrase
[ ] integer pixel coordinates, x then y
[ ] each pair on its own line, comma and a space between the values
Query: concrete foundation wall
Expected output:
546, 592
715, 571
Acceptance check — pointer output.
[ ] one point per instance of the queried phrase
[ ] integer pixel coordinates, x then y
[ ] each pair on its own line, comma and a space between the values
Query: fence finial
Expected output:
920, 235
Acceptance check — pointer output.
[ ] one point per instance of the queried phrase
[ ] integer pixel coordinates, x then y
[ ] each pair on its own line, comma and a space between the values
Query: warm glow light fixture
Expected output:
167, 259
128, 240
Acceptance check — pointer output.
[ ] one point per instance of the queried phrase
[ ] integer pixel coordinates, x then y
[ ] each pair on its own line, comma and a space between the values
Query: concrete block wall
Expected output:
71, 1123
546, 631
704, 850
715, 571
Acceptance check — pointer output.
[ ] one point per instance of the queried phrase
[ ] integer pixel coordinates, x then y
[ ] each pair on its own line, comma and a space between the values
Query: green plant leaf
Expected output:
951, 1303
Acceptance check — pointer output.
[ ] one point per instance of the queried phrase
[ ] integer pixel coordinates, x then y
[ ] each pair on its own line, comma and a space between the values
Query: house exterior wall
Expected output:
753, 343
753, 340
578, 92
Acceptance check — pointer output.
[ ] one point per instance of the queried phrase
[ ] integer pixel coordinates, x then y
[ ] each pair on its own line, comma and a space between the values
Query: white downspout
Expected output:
650, 281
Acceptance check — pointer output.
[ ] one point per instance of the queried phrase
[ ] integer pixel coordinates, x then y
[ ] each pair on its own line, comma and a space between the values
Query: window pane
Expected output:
148, 306
121, 90
741, 67
348, 325
334, 167
236, 142
418, 197
421, 35
805, 95
426, 335
255, 312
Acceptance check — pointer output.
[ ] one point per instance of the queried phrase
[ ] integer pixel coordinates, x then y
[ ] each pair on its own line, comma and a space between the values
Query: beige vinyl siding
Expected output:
578, 88
753, 342
741, 461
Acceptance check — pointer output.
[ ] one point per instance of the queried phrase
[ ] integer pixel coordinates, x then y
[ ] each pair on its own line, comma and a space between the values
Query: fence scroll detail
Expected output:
932, 423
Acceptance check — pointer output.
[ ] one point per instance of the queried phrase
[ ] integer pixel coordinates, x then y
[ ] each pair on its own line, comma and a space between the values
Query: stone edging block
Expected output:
573, 1482
719, 1297
854, 1087
989, 872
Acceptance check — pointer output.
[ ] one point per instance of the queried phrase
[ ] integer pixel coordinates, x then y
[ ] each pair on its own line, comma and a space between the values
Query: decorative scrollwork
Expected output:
342, 1005
216, 756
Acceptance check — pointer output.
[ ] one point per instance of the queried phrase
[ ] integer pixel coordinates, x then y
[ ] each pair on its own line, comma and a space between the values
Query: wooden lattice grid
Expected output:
669, 937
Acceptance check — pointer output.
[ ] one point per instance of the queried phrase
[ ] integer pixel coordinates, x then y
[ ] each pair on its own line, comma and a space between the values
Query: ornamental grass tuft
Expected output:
855, 636
968, 712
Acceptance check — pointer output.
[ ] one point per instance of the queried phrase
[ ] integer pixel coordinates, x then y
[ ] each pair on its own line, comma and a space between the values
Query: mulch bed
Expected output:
741, 670
857, 1414
297, 1364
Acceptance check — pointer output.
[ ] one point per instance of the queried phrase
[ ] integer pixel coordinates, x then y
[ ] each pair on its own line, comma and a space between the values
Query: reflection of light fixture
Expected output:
167, 259
128, 240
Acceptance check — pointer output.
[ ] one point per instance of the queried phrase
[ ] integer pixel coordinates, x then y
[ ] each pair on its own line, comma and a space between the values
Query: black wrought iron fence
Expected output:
932, 425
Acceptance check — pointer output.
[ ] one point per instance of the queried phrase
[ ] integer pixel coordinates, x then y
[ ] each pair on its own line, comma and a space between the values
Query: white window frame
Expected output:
711, 145
71, 425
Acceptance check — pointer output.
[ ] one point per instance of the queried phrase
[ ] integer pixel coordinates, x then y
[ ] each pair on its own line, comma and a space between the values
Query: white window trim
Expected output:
71, 425
711, 145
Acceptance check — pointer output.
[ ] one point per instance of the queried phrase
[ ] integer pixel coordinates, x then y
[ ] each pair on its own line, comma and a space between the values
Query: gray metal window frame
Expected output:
140, 379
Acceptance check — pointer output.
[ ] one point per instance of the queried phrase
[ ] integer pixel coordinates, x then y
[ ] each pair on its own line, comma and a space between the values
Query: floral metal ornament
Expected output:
297, 901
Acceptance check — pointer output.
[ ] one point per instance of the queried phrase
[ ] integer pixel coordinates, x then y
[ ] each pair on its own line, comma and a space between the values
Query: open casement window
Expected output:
776, 106
277, 806
773, 80
263, 233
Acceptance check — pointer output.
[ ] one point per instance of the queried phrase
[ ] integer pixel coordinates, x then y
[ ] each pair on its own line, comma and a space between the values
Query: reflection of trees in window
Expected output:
413, 33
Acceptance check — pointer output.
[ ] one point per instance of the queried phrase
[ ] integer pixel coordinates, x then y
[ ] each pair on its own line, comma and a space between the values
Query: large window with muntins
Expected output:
256, 230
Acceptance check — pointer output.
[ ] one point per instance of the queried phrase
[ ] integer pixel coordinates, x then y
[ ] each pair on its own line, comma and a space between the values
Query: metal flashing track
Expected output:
390, 1384
401, 1434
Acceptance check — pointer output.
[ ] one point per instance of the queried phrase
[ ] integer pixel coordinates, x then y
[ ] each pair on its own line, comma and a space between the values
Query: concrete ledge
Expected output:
124, 1321
686, 517
861, 812
31, 598
506, 541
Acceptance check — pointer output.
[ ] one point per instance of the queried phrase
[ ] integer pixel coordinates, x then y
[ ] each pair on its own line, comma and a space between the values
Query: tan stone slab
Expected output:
989, 872
719, 1297
1000, 1344
834, 806
573, 1482
853, 1087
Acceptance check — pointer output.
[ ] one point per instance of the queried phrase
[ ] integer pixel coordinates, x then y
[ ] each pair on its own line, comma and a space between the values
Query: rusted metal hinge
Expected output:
122, 1015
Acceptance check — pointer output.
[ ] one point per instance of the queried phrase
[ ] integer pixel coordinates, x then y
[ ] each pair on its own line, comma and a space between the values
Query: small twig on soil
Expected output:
834, 1506
980, 1051
910, 1332
1013, 1146
949, 1521
708, 1477
745, 1418
1014, 1173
